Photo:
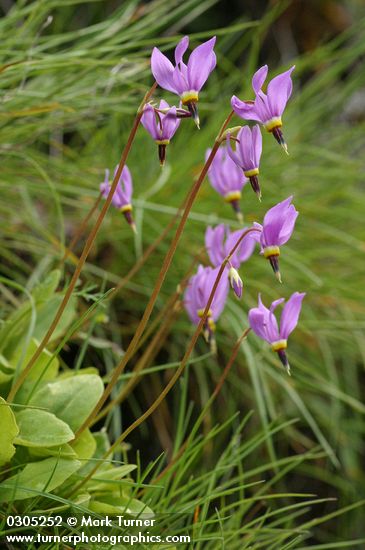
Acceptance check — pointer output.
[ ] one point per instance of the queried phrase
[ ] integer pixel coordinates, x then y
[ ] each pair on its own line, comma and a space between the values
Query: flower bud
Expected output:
235, 282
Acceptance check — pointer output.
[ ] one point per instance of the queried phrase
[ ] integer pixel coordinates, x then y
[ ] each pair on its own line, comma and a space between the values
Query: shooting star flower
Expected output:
247, 154
197, 295
122, 198
277, 228
227, 179
264, 324
185, 80
161, 125
267, 108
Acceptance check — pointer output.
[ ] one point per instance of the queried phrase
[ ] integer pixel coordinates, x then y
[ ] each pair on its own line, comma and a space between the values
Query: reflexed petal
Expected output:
256, 145
201, 63
279, 90
259, 78
277, 211
181, 49
148, 121
244, 148
247, 111
170, 124
214, 244
290, 314
126, 179
236, 159
288, 226
256, 319
162, 70
180, 82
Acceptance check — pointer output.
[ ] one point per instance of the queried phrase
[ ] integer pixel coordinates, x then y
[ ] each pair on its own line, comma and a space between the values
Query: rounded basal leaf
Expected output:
38, 477
8, 431
85, 445
70, 399
38, 428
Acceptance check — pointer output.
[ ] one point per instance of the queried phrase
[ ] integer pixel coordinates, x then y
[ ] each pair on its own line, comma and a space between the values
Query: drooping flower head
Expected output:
248, 154
277, 228
263, 322
267, 108
161, 125
185, 80
122, 198
197, 295
219, 241
227, 178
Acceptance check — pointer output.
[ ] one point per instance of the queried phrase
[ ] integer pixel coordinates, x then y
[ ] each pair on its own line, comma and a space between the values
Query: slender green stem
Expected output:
88, 245
161, 277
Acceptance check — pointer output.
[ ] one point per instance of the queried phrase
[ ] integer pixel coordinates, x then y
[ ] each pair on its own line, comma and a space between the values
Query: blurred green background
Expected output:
72, 75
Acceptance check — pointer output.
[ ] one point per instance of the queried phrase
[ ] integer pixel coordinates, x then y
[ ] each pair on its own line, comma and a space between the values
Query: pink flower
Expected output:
161, 126
122, 198
264, 324
248, 154
227, 178
276, 230
267, 108
197, 296
185, 80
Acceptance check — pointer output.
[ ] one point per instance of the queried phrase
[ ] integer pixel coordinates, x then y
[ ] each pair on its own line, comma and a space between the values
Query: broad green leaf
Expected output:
41, 366
8, 432
45, 315
39, 428
71, 399
85, 445
43, 476
63, 451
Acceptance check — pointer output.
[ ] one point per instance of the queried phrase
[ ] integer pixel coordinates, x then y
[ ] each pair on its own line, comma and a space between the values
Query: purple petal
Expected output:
256, 145
170, 124
126, 178
290, 314
245, 148
259, 78
236, 159
201, 63
214, 238
180, 81
288, 225
162, 70
277, 211
256, 319
247, 111
279, 90
181, 49
148, 121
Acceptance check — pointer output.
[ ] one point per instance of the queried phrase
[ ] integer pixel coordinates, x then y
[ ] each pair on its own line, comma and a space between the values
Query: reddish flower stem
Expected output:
178, 372
161, 277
